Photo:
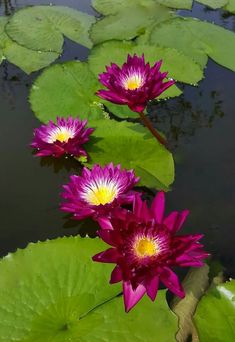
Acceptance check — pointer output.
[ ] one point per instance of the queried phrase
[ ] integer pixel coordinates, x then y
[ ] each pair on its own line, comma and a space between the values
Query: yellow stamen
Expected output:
102, 195
61, 134
133, 82
146, 247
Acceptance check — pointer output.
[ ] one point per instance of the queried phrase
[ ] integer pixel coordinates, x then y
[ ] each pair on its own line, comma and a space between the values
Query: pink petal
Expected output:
152, 287
104, 223
170, 220
106, 236
131, 297
171, 281
109, 256
180, 220
116, 275
158, 206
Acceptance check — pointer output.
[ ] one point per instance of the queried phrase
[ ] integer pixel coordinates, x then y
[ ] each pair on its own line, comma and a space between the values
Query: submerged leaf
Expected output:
215, 315
195, 284
133, 147
66, 89
52, 291
180, 67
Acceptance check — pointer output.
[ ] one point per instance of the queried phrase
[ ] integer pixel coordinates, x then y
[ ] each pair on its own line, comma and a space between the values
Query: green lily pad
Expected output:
180, 67
197, 39
178, 4
215, 315
230, 7
41, 28
26, 59
133, 147
52, 291
66, 89
121, 25
213, 3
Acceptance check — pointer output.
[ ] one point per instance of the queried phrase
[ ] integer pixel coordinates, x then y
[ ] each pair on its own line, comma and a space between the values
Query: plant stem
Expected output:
149, 125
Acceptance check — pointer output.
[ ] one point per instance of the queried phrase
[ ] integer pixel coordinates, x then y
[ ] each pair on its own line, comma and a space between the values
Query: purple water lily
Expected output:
134, 83
66, 136
145, 247
97, 191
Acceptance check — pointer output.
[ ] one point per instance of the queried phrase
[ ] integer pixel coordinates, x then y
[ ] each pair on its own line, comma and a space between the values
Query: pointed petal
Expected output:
170, 220
104, 223
158, 206
171, 281
152, 287
109, 256
180, 220
131, 297
106, 236
116, 275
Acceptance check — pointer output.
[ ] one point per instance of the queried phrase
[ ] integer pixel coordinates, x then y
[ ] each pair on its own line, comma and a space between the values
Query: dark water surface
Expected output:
200, 126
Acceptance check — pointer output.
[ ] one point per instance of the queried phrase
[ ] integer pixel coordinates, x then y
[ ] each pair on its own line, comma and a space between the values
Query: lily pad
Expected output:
66, 89
230, 7
213, 3
215, 315
133, 147
26, 59
178, 4
41, 28
197, 39
121, 25
180, 67
52, 291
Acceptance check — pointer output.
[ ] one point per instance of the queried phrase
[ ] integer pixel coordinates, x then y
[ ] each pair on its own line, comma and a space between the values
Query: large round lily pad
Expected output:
215, 315
41, 28
197, 39
66, 89
53, 291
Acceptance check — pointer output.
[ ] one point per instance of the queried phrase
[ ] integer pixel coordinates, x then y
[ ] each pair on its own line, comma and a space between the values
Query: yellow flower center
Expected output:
133, 82
145, 247
61, 134
102, 194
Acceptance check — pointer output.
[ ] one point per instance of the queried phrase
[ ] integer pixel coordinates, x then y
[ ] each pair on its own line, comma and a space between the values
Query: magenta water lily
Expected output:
145, 247
134, 83
97, 191
66, 136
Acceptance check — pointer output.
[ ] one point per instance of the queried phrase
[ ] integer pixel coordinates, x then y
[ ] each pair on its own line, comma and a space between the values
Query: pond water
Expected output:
200, 126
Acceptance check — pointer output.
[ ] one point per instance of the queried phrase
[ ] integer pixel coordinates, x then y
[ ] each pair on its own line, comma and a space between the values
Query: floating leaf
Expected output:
66, 89
230, 7
133, 147
26, 59
213, 3
179, 4
52, 291
121, 25
180, 67
41, 28
197, 39
215, 315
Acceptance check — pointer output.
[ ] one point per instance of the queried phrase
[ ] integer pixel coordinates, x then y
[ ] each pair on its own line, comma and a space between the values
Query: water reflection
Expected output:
180, 118
8, 8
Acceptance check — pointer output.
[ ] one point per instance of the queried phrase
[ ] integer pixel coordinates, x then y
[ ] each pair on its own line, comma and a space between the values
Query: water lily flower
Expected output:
134, 84
97, 191
145, 247
66, 136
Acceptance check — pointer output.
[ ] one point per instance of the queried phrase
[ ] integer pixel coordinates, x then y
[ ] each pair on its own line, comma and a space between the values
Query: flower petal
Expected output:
109, 256
152, 287
131, 297
116, 275
158, 206
171, 281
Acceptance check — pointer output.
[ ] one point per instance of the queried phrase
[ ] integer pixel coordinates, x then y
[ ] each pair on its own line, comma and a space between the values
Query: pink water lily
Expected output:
66, 136
98, 191
145, 247
134, 83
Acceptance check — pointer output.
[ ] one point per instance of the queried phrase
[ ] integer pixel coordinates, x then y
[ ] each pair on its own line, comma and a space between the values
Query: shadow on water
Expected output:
200, 129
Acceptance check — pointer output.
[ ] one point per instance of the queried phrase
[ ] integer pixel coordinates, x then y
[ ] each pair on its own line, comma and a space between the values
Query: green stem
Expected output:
149, 125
